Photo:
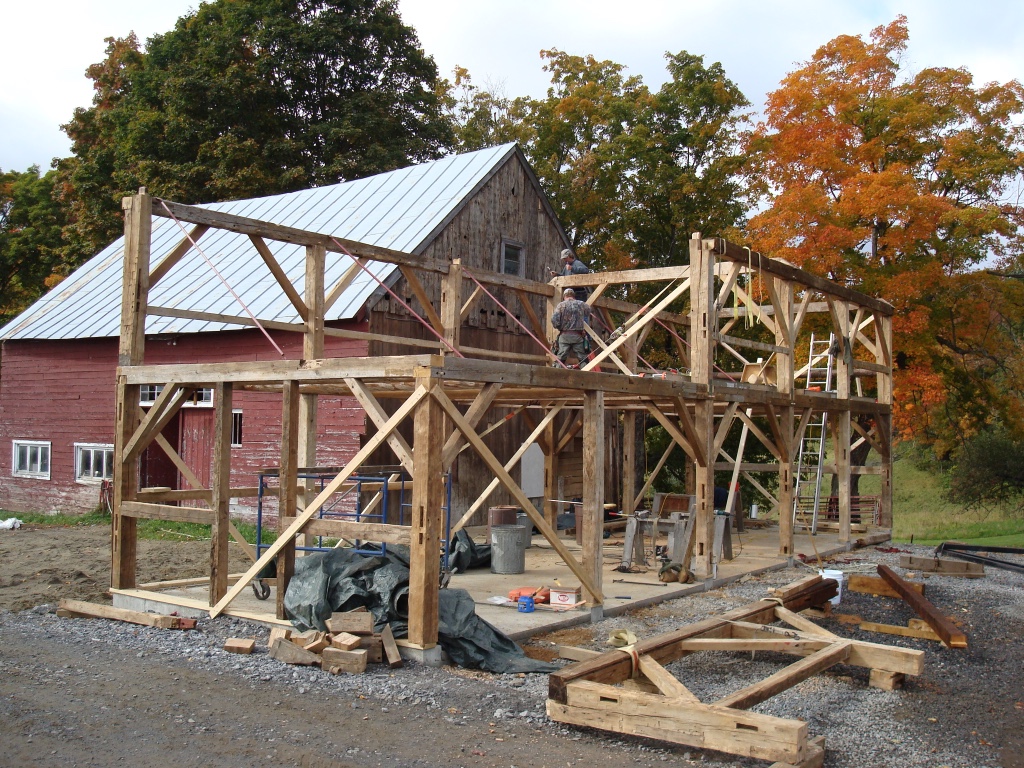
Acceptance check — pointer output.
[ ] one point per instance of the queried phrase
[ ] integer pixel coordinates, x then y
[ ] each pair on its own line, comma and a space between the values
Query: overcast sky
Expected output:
46, 45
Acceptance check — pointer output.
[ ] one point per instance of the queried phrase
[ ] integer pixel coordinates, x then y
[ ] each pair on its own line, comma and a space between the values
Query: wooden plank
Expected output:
796, 586
798, 647
346, 641
943, 566
82, 609
164, 408
379, 417
136, 509
480, 405
354, 529
885, 681
573, 653
802, 623
944, 628
875, 585
353, 622
833, 654
391, 653
428, 306
926, 633
815, 756
311, 509
653, 274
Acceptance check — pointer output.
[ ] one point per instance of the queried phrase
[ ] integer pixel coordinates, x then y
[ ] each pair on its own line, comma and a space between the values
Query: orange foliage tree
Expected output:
900, 187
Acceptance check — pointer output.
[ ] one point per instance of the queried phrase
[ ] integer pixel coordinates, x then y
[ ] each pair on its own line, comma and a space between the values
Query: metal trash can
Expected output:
523, 519
503, 514
508, 555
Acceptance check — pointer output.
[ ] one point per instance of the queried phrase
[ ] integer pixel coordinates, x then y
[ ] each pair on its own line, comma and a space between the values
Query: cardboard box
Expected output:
560, 596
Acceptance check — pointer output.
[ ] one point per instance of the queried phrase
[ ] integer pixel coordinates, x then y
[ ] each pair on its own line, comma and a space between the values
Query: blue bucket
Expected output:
526, 604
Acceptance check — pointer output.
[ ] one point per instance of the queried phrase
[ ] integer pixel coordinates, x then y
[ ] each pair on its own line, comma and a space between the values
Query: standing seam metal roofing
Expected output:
397, 210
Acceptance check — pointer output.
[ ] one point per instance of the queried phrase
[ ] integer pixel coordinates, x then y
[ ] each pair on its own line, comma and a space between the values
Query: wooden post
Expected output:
131, 351
593, 489
427, 504
288, 482
883, 355
220, 485
312, 349
702, 355
841, 433
451, 305
550, 445
784, 370
629, 419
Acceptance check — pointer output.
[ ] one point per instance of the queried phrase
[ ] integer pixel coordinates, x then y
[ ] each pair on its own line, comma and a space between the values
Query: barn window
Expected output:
202, 398
512, 258
31, 459
148, 393
93, 462
236, 429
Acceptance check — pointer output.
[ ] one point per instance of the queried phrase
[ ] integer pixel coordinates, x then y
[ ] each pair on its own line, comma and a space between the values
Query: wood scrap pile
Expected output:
630, 691
348, 645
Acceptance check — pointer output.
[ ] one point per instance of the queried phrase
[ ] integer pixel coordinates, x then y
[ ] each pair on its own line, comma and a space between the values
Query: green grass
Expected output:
148, 529
921, 511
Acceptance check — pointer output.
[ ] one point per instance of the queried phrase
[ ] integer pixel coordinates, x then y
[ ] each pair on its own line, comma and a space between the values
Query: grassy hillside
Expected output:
919, 510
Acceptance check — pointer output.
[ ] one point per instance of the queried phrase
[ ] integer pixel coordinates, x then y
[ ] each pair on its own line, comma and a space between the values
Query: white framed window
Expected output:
236, 429
511, 259
31, 458
94, 462
201, 398
148, 393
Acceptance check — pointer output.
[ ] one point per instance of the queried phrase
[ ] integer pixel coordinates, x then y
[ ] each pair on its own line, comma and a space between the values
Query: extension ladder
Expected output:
811, 457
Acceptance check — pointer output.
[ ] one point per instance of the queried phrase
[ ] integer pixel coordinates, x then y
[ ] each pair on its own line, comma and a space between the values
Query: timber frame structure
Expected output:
446, 395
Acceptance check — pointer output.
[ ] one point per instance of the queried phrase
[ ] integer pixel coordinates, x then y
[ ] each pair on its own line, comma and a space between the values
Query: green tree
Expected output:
251, 97
30, 238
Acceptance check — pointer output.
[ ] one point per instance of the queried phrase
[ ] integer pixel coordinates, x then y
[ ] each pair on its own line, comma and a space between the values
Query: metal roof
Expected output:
401, 210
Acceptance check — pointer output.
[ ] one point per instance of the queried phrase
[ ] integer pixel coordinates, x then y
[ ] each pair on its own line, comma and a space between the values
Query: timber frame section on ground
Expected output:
448, 394
630, 691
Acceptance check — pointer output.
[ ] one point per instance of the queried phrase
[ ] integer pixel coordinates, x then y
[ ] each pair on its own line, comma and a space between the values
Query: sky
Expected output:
46, 45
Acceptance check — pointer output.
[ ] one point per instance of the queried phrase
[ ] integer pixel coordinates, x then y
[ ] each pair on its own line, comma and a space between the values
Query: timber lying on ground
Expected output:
629, 690
942, 566
348, 646
78, 609
944, 628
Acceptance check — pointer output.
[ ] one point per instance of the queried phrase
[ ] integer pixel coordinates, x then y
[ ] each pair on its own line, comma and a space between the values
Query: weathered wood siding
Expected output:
507, 206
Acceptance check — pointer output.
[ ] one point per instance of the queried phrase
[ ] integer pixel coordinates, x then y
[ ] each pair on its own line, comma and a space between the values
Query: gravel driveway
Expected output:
91, 692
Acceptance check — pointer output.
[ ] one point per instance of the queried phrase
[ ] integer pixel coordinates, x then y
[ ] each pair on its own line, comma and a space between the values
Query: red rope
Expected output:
219, 275
398, 298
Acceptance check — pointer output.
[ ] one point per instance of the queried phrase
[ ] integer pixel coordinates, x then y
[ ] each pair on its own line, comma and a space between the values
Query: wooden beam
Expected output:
176, 254
944, 628
164, 408
355, 529
346, 279
427, 503
175, 514
379, 417
220, 486
281, 276
650, 275
593, 491
665, 682
834, 653
311, 509
288, 486
480, 405
428, 306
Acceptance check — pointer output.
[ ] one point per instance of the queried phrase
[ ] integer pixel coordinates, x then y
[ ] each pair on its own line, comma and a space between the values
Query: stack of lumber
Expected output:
348, 645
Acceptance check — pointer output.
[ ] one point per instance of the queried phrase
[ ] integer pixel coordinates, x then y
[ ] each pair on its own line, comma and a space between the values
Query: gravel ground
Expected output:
91, 692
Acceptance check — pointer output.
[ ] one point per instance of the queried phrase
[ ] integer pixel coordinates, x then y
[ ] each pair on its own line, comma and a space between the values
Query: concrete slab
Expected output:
755, 550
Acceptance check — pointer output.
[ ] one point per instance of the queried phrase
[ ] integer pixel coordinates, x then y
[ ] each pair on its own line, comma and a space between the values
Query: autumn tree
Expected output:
896, 184
30, 238
251, 97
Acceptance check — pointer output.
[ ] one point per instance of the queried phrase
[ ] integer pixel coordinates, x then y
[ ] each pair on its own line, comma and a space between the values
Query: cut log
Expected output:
337, 661
317, 643
394, 658
243, 645
290, 653
353, 622
886, 681
345, 642
277, 633
374, 648
944, 628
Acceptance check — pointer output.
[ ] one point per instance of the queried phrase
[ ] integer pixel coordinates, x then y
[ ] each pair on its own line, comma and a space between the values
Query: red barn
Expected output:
59, 356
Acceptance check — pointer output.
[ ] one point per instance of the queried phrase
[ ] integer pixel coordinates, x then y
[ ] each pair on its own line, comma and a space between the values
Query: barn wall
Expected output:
507, 206
63, 392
